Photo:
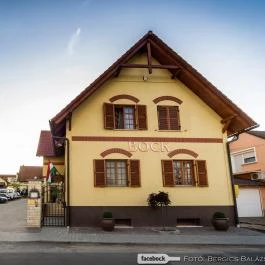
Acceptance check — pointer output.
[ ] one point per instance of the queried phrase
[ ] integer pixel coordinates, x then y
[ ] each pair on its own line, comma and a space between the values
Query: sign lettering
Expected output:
146, 147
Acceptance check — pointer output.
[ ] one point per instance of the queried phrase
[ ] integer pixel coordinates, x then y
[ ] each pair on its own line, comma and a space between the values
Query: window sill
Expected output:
186, 186
170, 130
126, 130
106, 186
250, 163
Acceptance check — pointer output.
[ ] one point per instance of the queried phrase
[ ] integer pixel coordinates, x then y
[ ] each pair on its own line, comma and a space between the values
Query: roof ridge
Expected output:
195, 81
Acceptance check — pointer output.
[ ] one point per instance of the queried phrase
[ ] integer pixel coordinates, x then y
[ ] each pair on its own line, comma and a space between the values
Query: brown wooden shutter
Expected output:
108, 116
202, 173
167, 173
134, 171
141, 117
99, 172
173, 113
163, 122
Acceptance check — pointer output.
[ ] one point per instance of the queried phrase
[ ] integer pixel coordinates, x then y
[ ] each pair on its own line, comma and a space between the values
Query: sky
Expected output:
50, 50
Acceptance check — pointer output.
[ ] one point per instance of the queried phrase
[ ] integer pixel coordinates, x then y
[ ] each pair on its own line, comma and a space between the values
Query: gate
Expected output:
53, 205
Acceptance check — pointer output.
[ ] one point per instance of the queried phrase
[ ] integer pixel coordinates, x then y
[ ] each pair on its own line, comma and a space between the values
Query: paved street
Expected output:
61, 253
13, 215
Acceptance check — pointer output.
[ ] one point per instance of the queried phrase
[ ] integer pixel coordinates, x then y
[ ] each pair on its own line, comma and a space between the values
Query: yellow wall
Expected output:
197, 121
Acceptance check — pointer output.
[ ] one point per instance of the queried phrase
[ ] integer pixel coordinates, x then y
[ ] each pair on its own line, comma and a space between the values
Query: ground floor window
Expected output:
184, 173
117, 173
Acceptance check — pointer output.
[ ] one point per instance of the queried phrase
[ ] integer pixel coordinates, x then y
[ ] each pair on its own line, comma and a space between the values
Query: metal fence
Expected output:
53, 205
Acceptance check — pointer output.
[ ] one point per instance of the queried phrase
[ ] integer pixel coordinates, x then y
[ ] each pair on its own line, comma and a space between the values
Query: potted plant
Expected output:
220, 221
107, 222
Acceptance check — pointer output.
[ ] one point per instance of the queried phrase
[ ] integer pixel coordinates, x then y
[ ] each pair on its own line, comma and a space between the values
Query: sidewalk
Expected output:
12, 229
257, 223
182, 236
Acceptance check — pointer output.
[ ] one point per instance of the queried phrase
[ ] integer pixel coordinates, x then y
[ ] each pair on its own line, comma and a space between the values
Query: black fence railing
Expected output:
53, 205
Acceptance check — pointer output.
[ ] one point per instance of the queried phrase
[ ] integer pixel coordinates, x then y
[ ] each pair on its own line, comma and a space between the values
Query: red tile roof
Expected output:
27, 173
6, 176
189, 76
46, 145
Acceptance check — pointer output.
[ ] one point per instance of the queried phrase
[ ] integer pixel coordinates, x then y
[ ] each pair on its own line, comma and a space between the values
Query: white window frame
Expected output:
242, 152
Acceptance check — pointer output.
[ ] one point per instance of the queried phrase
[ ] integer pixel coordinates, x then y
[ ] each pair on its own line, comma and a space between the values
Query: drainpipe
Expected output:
235, 138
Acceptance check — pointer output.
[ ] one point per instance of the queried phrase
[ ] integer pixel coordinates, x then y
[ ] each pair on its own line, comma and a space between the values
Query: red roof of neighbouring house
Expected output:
27, 173
5, 176
46, 145
233, 116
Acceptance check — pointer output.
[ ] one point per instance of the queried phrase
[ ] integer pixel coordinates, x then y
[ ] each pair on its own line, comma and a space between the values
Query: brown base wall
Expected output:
85, 216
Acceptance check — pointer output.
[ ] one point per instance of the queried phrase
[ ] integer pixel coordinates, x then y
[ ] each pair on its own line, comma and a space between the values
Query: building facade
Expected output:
149, 123
248, 163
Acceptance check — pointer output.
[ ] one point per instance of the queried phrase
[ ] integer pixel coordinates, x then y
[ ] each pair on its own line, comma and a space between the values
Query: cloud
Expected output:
73, 42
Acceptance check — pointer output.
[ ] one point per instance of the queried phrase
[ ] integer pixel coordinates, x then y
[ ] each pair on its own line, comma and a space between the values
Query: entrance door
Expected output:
249, 203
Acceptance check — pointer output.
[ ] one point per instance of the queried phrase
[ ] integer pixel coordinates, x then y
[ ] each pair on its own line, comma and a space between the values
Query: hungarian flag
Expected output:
51, 171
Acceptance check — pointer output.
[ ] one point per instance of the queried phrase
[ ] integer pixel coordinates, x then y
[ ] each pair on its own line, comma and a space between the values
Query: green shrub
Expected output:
158, 199
107, 215
218, 215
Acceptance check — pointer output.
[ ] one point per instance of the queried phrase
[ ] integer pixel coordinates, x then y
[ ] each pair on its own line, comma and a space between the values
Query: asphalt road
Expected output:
75, 254
13, 215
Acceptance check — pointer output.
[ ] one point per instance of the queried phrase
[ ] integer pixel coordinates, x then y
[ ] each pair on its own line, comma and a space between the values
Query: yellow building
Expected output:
149, 123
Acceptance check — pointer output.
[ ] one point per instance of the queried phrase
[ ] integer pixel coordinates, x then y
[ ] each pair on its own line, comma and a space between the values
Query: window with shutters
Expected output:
184, 173
124, 117
130, 117
117, 173
168, 118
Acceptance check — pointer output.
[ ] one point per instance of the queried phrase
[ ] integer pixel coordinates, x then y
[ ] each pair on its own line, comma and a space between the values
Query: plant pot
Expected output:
107, 224
221, 224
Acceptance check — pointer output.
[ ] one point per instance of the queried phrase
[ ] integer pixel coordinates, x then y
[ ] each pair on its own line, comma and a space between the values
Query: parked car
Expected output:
3, 199
11, 193
5, 196
4, 193
17, 195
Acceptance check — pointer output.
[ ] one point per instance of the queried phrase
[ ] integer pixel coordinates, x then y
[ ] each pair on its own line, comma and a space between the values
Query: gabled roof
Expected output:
46, 145
27, 173
234, 118
260, 134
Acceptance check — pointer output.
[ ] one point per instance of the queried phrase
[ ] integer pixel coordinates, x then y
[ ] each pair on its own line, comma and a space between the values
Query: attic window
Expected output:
124, 117
130, 117
168, 118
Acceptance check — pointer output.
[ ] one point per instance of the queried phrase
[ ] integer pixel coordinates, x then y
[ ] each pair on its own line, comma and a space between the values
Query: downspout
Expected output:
235, 138
67, 174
